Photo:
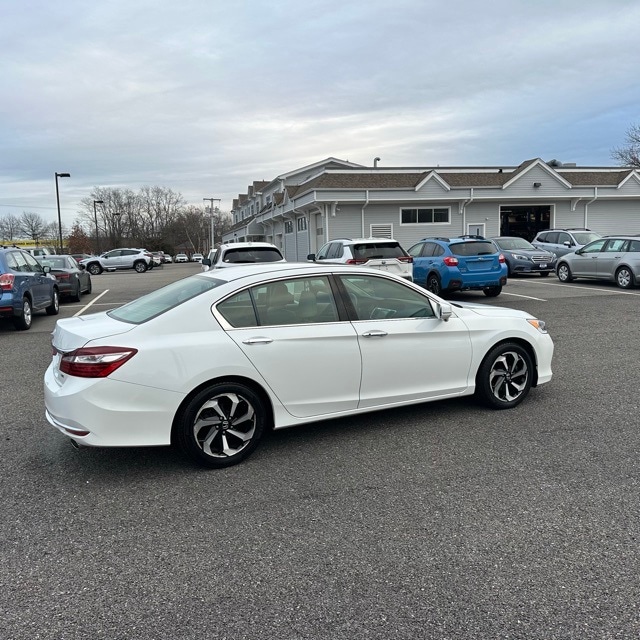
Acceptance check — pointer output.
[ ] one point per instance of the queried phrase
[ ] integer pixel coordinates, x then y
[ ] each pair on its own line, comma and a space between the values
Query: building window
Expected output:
432, 215
302, 224
288, 226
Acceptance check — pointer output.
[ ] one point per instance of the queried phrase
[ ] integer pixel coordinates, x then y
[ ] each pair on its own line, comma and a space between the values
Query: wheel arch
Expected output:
247, 382
635, 280
526, 345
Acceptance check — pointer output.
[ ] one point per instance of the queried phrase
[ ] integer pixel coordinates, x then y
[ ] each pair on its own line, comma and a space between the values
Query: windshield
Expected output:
160, 301
584, 237
509, 244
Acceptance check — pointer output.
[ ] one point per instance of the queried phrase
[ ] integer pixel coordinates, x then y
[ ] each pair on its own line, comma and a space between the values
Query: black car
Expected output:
73, 279
25, 286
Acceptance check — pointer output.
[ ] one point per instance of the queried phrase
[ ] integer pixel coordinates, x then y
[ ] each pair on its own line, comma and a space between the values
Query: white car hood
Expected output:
488, 311
72, 333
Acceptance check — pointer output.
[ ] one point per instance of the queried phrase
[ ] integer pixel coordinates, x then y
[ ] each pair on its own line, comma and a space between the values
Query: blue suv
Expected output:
25, 287
457, 264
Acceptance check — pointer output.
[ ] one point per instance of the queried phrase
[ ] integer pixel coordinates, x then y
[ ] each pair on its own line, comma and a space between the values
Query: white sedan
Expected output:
231, 343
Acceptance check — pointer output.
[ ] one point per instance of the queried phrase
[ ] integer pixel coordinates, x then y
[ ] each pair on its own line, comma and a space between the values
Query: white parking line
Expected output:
577, 286
90, 304
517, 295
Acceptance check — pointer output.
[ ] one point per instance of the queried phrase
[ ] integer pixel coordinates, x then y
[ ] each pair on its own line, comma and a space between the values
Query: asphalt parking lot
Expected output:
444, 520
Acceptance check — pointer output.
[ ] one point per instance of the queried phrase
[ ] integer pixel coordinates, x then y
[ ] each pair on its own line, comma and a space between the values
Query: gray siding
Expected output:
610, 218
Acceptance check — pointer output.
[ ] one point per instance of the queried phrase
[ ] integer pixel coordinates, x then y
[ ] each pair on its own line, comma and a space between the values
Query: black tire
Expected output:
624, 278
433, 284
564, 273
505, 376
23, 322
75, 296
492, 292
544, 274
204, 428
94, 269
140, 266
54, 308
89, 287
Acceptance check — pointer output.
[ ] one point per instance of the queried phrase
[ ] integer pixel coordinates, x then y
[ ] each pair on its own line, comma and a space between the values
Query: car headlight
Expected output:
540, 325
518, 256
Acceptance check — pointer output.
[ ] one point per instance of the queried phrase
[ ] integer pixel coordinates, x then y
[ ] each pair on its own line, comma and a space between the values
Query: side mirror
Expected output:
81, 267
206, 262
311, 257
46, 269
567, 243
444, 311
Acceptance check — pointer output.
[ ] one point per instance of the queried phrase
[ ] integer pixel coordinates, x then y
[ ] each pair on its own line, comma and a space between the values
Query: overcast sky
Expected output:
206, 96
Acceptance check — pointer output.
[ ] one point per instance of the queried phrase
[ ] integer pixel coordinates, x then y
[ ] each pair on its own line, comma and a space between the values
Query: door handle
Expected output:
374, 333
257, 341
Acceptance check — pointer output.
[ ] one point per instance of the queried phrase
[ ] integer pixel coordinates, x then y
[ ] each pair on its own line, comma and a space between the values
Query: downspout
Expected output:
366, 202
586, 206
464, 211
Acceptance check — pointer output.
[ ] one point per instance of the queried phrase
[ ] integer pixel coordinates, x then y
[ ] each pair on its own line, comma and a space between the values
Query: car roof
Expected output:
241, 245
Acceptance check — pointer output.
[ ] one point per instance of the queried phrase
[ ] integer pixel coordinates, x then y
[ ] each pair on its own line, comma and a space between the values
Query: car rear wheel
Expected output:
624, 278
94, 269
492, 292
564, 273
505, 376
433, 284
221, 425
140, 266
75, 296
23, 322
54, 307
89, 287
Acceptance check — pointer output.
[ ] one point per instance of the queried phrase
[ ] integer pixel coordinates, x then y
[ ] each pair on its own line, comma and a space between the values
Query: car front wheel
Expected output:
564, 273
23, 322
140, 267
505, 376
94, 269
624, 278
221, 425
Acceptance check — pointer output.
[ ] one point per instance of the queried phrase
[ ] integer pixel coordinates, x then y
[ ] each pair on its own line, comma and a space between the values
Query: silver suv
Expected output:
138, 259
384, 254
563, 241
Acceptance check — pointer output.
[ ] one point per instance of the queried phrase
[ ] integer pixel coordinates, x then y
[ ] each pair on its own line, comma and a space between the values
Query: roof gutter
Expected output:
463, 210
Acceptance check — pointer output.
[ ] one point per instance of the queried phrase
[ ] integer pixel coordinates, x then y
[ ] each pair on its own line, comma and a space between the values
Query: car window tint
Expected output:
437, 250
335, 250
295, 301
473, 248
564, 237
238, 310
21, 263
417, 250
552, 237
254, 254
372, 250
158, 302
12, 262
634, 246
323, 252
594, 247
375, 298
615, 245
32, 264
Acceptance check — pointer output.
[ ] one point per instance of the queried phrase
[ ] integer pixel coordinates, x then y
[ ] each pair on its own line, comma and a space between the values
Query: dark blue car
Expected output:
458, 264
25, 287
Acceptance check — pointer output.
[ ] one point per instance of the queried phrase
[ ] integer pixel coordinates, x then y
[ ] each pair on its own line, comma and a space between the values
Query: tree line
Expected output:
156, 218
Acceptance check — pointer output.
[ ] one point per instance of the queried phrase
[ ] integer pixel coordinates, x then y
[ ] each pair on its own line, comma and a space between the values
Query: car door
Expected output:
38, 281
311, 362
422, 254
584, 263
111, 259
611, 257
408, 354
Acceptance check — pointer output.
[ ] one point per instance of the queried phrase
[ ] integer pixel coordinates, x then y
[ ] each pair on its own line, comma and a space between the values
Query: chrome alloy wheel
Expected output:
224, 425
509, 376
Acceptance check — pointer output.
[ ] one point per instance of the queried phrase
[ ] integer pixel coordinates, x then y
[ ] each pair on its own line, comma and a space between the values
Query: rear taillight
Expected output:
354, 261
450, 261
95, 362
6, 281
501, 258
62, 276
408, 259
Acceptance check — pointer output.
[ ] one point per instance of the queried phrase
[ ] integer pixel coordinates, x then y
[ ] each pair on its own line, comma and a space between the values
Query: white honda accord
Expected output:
243, 350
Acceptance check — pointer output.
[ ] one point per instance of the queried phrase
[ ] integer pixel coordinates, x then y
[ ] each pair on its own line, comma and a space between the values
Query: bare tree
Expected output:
9, 227
629, 155
32, 225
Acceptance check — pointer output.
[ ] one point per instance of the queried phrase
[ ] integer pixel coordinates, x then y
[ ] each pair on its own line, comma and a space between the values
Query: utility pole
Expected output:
212, 211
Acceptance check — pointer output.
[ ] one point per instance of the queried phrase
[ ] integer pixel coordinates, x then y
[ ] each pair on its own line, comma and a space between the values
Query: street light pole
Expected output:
60, 175
95, 216
212, 200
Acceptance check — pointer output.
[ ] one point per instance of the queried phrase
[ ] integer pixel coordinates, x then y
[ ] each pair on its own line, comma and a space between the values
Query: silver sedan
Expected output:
615, 258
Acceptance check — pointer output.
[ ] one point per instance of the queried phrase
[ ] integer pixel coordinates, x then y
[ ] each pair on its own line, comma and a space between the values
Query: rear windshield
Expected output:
475, 248
160, 301
254, 254
371, 250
